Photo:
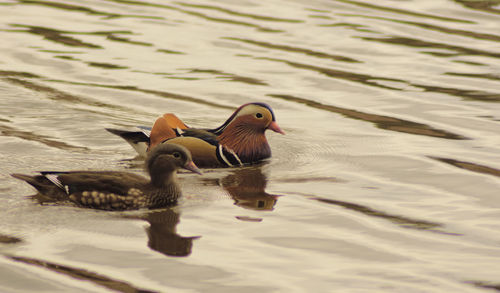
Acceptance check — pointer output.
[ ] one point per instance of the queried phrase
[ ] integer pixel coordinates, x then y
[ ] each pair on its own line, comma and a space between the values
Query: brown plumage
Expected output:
113, 190
245, 137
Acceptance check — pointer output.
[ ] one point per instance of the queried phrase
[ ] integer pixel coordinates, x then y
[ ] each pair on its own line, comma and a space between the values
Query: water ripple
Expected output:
383, 122
478, 168
81, 274
403, 11
22, 134
295, 49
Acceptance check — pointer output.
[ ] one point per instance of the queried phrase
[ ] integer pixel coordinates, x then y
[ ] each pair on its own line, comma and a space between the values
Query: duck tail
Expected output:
137, 139
39, 182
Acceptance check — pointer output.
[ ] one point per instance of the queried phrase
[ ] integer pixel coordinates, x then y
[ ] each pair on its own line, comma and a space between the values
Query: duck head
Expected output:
257, 117
244, 132
164, 160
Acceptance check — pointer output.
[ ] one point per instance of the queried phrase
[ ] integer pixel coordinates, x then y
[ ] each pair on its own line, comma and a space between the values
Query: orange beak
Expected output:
275, 127
193, 168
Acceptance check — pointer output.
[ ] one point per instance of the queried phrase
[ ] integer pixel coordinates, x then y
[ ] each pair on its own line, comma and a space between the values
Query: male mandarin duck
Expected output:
113, 190
239, 141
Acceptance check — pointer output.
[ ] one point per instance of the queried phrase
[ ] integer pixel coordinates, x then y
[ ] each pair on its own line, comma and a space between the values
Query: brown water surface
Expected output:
388, 179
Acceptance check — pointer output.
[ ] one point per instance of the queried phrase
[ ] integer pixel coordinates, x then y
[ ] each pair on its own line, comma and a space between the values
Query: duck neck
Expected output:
250, 144
165, 192
162, 177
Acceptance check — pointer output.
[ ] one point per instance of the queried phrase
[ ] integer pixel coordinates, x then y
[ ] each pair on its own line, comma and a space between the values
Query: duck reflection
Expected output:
246, 186
162, 234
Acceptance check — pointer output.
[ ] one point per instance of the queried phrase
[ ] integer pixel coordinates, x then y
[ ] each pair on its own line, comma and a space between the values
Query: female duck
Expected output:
239, 141
113, 190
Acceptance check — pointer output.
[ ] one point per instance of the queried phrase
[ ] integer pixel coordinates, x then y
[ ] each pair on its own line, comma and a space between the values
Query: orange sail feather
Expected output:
163, 129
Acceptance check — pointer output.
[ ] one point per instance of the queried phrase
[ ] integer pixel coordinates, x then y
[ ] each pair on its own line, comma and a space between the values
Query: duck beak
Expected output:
275, 127
193, 168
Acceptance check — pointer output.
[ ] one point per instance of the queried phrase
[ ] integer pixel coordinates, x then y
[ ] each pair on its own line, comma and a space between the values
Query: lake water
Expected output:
388, 179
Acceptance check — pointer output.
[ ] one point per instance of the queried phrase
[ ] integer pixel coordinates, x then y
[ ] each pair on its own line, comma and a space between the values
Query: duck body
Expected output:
113, 190
239, 141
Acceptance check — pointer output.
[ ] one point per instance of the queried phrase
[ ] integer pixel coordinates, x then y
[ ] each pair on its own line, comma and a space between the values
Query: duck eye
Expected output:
177, 155
259, 115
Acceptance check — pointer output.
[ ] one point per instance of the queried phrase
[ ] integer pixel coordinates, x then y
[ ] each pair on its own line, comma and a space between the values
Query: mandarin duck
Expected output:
239, 141
114, 190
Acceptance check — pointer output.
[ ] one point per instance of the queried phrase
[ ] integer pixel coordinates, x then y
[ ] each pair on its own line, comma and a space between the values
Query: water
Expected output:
387, 179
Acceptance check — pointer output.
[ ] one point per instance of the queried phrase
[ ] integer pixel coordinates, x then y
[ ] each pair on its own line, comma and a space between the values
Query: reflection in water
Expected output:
473, 94
232, 12
162, 235
484, 5
402, 11
295, 49
81, 274
443, 29
56, 36
106, 65
196, 14
115, 38
470, 166
6, 239
170, 51
61, 37
383, 122
76, 8
398, 220
9, 131
162, 94
342, 74
72, 50
456, 50
246, 186
353, 26
372, 80
489, 76
486, 285
18, 74
55, 94
229, 76
58, 95
68, 7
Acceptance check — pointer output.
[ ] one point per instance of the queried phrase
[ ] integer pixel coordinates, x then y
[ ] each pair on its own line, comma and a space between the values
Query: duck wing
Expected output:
202, 134
106, 190
102, 181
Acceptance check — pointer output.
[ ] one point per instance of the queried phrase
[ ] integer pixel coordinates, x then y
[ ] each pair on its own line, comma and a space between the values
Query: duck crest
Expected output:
219, 130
